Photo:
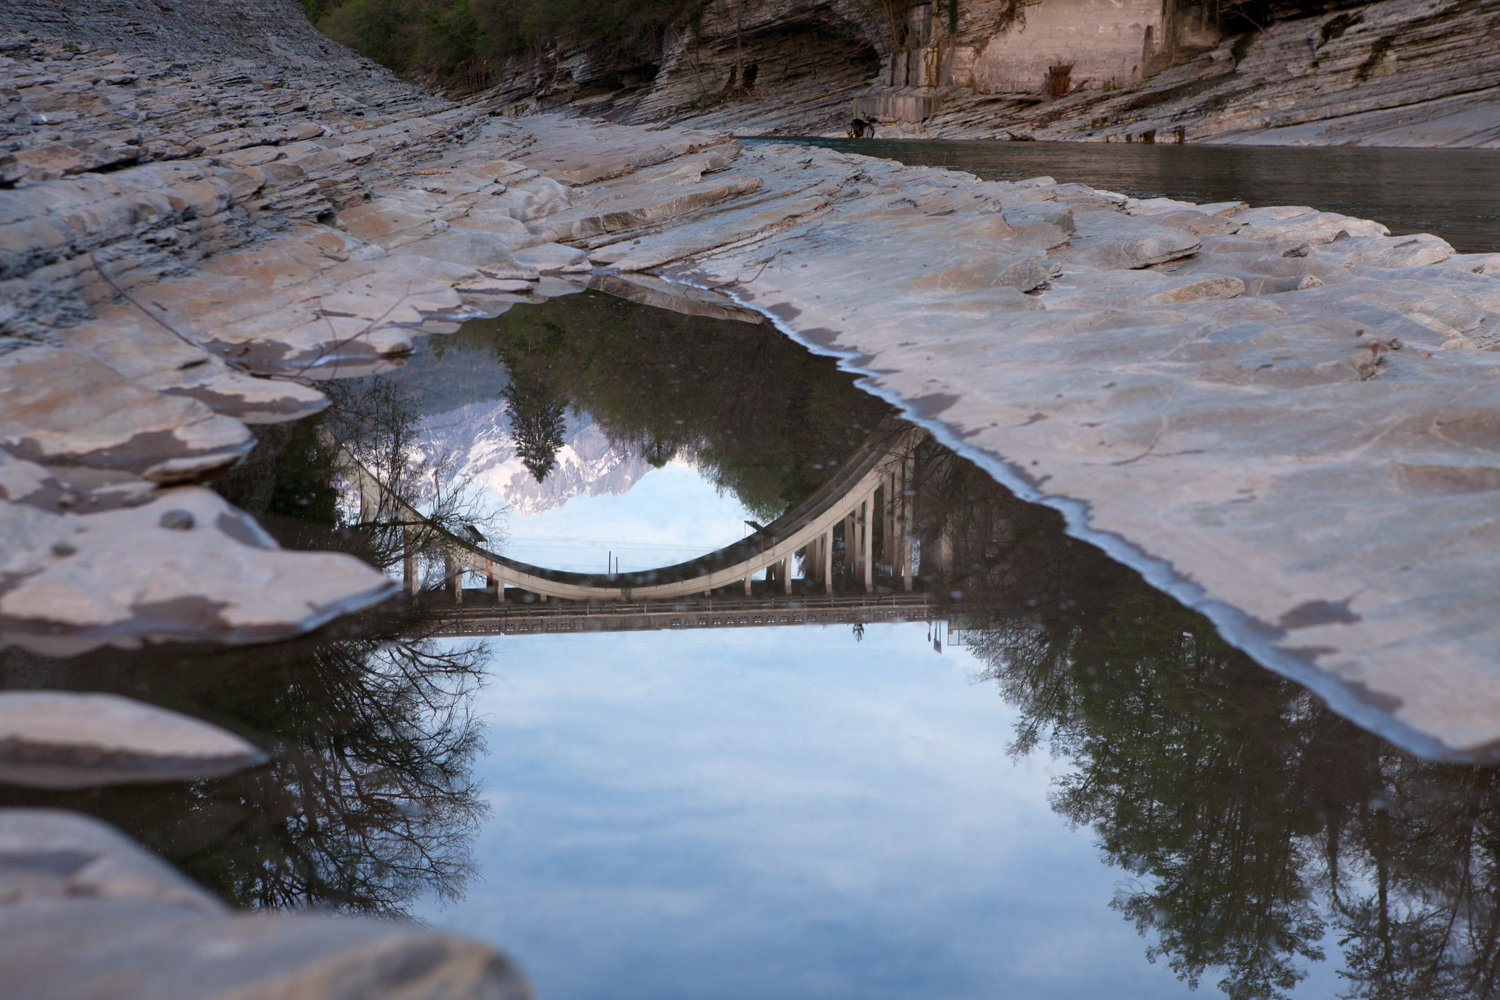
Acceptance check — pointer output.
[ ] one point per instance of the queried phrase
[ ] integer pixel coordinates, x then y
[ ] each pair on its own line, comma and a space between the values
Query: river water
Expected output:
1451, 193
1048, 781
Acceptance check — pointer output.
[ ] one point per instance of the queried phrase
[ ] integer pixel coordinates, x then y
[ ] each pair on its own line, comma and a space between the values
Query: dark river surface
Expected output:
1451, 193
1050, 782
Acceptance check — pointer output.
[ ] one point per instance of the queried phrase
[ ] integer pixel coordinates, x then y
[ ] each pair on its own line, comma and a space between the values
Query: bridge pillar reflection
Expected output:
867, 541
409, 579
906, 494
825, 557
453, 576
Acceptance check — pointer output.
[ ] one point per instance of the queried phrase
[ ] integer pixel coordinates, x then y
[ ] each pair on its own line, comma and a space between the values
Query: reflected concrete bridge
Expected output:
484, 617
873, 487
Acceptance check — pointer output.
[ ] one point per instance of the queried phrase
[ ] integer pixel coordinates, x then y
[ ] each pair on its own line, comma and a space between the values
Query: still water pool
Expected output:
1451, 193
1048, 781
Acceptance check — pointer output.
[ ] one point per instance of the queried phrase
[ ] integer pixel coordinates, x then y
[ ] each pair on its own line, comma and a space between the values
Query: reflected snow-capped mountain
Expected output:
479, 440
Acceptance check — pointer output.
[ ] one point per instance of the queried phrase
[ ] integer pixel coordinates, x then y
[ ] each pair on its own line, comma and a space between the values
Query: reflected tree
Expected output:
368, 802
1261, 829
358, 479
762, 419
536, 419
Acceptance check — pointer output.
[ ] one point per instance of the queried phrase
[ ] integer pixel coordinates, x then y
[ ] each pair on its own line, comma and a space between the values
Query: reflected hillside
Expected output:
1262, 832
482, 444
764, 419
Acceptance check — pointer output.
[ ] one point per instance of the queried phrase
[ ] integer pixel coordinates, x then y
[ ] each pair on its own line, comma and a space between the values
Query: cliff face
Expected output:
741, 65
1393, 72
1397, 72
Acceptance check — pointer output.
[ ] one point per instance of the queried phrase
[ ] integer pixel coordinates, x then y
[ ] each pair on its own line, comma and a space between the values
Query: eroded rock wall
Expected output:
1071, 44
737, 65
1392, 72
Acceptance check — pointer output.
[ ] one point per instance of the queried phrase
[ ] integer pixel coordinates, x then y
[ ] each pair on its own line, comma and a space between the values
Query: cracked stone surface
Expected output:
132, 566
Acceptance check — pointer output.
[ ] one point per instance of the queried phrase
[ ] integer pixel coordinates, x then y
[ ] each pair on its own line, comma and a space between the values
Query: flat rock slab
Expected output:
62, 408
182, 565
84, 912
69, 739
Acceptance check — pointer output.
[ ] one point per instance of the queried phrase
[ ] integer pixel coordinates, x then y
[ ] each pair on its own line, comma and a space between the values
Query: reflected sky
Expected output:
667, 516
782, 812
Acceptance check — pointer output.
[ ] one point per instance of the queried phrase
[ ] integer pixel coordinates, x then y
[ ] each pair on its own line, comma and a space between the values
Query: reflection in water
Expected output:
761, 417
367, 803
1259, 826
1261, 833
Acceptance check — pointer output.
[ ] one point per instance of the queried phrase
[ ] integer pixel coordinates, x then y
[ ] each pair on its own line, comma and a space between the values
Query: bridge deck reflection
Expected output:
475, 618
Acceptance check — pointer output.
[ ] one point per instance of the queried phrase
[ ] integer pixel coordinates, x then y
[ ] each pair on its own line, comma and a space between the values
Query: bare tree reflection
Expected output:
368, 802
402, 501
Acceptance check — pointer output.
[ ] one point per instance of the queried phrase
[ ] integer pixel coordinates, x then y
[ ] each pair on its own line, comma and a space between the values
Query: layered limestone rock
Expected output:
85, 912
1387, 73
749, 67
165, 279
1391, 73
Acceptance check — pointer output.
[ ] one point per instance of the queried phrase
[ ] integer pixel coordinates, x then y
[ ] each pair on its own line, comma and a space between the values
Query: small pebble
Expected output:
177, 520
63, 549
67, 498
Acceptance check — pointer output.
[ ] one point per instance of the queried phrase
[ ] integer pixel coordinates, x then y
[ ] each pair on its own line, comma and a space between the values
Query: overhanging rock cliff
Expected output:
1392, 72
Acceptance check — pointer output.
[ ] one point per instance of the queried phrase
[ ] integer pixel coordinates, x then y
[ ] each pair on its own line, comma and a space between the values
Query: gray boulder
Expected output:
84, 912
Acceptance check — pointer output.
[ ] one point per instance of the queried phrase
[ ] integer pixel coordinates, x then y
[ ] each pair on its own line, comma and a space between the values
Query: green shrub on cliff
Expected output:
461, 42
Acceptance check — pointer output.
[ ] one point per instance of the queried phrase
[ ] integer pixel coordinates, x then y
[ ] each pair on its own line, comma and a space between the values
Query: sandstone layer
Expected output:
68, 739
119, 390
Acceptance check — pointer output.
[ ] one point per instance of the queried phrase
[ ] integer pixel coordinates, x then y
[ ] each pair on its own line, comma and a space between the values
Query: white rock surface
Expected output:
182, 565
84, 912
70, 739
